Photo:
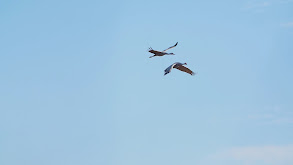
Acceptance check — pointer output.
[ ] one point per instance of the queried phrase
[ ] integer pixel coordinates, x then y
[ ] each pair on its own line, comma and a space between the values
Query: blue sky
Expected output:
77, 86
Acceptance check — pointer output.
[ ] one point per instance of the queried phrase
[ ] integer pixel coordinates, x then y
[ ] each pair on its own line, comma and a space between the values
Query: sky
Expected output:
78, 87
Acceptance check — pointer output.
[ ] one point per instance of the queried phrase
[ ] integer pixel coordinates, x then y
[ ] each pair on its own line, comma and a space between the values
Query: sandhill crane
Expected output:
161, 53
179, 66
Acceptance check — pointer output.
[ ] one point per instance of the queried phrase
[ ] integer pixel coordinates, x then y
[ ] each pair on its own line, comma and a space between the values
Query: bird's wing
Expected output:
168, 70
184, 69
171, 47
154, 51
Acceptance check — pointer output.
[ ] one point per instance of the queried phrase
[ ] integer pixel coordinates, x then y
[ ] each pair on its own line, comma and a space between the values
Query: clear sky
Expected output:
77, 86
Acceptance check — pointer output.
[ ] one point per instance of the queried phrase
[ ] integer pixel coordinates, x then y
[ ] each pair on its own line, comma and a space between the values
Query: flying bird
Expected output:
179, 66
161, 53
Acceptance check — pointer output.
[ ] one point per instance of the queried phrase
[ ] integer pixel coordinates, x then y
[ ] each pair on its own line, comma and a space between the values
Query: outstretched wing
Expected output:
171, 47
168, 70
154, 51
184, 69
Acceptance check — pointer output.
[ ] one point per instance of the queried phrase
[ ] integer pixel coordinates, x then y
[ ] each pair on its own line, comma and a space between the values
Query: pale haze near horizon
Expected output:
78, 87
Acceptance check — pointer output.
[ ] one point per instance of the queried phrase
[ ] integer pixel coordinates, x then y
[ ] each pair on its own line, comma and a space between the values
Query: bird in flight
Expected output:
161, 53
179, 66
